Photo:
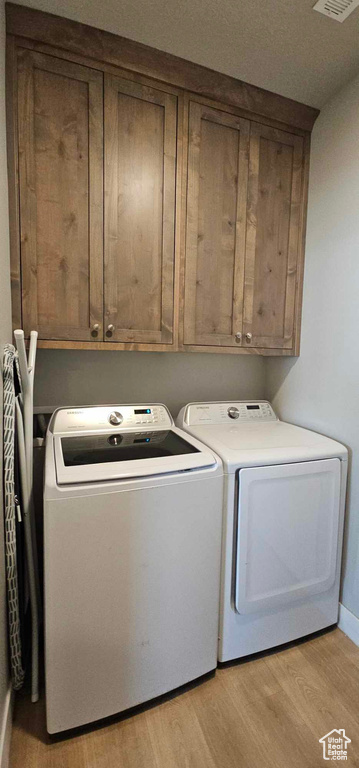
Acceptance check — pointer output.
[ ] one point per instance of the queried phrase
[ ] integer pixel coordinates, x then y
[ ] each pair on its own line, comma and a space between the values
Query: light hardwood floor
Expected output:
267, 712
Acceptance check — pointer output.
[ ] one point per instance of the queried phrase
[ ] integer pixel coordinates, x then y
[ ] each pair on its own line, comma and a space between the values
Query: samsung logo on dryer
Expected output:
74, 412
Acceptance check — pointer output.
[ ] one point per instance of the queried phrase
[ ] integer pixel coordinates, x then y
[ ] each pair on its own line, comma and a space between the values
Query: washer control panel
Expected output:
244, 411
106, 417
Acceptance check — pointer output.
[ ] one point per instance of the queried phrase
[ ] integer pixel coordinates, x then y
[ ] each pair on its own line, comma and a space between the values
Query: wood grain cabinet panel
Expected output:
244, 206
140, 177
145, 213
215, 235
273, 237
60, 142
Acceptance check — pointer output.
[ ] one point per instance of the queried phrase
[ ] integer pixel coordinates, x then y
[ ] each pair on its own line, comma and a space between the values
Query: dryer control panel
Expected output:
243, 411
100, 418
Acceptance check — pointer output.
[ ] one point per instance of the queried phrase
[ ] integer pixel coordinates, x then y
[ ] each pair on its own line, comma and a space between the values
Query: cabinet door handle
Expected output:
110, 329
248, 337
95, 328
238, 336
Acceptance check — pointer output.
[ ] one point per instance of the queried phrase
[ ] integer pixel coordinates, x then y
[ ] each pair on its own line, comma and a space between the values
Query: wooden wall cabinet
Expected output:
140, 184
272, 262
215, 232
81, 280
145, 212
60, 140
244, 196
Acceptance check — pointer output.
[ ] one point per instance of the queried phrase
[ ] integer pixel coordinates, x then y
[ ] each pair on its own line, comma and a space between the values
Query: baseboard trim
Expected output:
348, 623
6, 727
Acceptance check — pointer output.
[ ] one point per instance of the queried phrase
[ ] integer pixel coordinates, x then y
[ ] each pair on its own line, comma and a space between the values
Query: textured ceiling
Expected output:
281, 45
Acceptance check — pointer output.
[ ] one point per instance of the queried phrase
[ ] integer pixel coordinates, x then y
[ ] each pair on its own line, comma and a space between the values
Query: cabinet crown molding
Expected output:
99, 45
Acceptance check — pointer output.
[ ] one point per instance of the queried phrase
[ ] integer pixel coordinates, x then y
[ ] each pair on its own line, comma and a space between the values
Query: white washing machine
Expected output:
283, 524
132, 544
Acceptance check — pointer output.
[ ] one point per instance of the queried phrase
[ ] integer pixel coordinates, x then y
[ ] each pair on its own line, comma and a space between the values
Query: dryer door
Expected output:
288, 519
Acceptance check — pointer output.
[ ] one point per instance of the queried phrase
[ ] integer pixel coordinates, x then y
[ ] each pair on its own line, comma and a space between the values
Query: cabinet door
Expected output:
140, 174
273, 222
215, 238
60, 139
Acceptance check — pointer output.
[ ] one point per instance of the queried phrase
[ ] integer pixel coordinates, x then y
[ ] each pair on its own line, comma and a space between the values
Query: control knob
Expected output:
233, 412
115, 418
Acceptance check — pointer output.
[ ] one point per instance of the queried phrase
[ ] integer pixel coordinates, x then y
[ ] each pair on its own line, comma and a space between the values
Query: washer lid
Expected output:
118, 455
265, 443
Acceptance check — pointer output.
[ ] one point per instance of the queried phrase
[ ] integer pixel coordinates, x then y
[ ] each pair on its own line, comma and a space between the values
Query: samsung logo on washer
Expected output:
74, 411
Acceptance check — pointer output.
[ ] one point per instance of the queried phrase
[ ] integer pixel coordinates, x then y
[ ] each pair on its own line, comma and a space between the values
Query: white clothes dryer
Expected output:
283, 524
132, 544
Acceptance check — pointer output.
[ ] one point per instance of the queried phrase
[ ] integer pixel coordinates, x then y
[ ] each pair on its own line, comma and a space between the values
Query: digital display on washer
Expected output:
100, 449
252, 407
142, 410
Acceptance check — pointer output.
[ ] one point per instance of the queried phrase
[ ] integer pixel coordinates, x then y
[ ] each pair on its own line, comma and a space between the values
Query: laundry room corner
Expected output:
179, 313
319, 389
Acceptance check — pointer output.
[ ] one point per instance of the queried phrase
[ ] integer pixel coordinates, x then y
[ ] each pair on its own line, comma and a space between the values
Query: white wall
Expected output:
321, 388
74, 378
5, 335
